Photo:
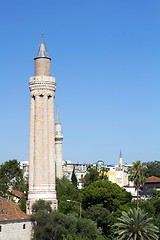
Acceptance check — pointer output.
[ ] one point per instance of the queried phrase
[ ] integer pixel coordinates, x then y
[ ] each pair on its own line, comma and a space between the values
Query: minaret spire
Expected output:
57, 117
120, 154
120, 160
58, 141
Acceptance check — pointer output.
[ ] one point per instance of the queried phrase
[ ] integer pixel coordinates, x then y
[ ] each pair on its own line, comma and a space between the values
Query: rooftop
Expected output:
18, 193
10, 211
152, 179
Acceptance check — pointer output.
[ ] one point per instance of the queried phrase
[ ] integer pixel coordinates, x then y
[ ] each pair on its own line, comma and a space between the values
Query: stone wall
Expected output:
15, 230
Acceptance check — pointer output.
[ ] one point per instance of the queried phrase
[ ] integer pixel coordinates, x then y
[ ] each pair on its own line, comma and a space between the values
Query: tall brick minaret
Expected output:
41, 140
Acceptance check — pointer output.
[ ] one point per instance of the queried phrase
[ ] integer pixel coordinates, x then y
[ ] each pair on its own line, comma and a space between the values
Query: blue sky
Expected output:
106, 60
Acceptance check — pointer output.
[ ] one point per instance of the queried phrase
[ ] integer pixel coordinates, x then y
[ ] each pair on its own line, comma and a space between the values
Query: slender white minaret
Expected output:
58, 141
120, 160
41, 140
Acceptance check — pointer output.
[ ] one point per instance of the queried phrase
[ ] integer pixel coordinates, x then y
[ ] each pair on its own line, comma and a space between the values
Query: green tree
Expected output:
41, 219
88, 228
94, 174
79, 237
137, 174
48, 224
153, 169
147, 206
104, 192
156, 204
103, 173
11, 176
22, 204
136, 225
151, 206
41, 207
91, 176
73, 177
66, 190
103, 218
151, 193
156, 221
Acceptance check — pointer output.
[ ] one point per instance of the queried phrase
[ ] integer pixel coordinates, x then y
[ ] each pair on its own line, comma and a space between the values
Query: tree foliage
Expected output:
151, 206
152, 193
156, 221
67, 191
93, 174
136, 225
41, 219
48, 224
153, 169
102, 217
103, 173
74, 178
22, 204
11, 177
104, 192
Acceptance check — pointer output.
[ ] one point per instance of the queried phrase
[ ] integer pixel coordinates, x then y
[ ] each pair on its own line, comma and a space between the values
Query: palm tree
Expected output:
137, 174
136, 225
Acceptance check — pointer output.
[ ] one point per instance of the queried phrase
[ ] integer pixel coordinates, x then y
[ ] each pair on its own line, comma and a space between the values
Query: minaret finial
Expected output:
42, 34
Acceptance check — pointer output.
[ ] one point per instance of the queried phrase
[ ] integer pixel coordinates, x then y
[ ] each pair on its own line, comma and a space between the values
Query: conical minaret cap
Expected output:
42, 50
57, 117
120, 156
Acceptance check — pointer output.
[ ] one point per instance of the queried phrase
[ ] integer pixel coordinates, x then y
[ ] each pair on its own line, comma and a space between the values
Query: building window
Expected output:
81, 175
55, 206
24, 226
0, 229
119, 180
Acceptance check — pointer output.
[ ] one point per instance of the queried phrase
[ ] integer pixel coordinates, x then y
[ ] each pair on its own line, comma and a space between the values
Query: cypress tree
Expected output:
74, 178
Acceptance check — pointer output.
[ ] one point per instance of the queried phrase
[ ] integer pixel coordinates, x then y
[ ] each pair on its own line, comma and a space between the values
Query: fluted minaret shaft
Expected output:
42, 143
58, 141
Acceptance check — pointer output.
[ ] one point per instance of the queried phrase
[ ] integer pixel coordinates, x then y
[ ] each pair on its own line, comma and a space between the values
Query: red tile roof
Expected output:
18, 193
129, 185
10, 211
152, 179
